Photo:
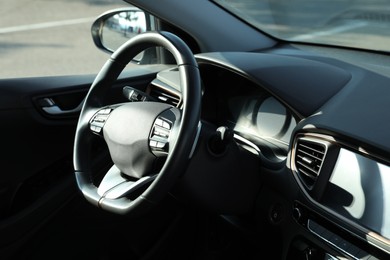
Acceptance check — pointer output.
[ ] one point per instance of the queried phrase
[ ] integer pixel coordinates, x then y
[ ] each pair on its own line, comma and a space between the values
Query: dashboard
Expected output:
322, 143
364, 185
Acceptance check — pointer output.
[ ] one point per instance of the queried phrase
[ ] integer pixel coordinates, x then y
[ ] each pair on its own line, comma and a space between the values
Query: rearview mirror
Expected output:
115, 27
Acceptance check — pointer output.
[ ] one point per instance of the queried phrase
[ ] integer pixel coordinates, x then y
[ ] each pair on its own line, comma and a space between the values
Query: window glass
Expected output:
50, 37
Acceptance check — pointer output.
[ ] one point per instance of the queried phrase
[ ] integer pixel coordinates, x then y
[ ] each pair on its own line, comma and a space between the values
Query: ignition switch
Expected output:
220, 140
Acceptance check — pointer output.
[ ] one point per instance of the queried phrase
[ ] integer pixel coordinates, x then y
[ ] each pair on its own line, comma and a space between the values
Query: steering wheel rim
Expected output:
186, 126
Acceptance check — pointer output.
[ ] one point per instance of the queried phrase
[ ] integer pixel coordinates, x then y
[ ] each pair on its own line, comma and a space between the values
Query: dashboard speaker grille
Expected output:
309, 156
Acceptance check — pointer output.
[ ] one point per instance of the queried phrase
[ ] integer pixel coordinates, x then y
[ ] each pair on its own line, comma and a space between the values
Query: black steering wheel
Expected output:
138, 134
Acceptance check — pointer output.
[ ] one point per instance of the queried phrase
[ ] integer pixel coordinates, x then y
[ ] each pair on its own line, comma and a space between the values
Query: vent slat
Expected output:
313, 149
307, 168
308, 174
165, 97
311, 155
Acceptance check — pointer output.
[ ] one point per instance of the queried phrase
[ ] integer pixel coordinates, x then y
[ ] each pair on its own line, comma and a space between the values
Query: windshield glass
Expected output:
349, 23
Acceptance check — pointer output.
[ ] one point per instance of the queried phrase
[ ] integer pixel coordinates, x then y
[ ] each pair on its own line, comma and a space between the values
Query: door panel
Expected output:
36, 178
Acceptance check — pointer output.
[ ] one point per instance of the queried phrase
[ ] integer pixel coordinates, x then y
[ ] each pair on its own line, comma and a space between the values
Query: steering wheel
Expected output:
138, 134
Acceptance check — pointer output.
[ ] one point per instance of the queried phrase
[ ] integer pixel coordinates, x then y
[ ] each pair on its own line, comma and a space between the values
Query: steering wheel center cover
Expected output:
126, 133
187, 126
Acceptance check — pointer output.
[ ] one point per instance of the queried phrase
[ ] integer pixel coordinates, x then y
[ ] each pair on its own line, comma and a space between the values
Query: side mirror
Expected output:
113, 28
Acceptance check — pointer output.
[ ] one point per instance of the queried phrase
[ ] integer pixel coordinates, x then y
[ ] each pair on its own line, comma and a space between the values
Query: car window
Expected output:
46, 38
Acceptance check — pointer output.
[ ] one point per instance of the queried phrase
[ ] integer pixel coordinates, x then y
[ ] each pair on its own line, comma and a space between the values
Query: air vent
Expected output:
309, 156
165, 96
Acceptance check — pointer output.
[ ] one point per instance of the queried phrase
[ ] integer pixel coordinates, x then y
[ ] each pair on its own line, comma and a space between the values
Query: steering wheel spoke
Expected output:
114, 185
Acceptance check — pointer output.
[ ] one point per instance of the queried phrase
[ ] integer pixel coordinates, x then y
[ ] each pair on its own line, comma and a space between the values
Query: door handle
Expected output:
51, 108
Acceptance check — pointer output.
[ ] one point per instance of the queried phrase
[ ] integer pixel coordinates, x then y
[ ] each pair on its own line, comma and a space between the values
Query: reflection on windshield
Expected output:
350, 23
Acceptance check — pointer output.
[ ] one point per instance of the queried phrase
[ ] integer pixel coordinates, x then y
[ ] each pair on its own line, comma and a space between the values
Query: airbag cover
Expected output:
126, 133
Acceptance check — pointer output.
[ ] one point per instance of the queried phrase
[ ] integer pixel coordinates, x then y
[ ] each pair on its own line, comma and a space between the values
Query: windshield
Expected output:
349, 23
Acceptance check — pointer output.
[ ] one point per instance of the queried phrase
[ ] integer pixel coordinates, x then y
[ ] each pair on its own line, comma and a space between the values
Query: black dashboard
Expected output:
320, 129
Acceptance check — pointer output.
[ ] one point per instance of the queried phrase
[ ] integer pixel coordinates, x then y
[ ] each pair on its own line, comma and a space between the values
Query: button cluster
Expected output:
336, 240
99, 119
159, 139
163, 123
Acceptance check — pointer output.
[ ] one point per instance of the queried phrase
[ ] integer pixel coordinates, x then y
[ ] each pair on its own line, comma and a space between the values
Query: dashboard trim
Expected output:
359, 231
